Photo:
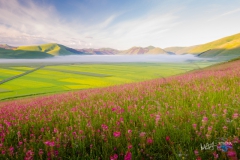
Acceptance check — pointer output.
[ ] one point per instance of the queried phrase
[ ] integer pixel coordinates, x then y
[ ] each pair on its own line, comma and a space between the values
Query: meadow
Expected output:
66, 77
188, 116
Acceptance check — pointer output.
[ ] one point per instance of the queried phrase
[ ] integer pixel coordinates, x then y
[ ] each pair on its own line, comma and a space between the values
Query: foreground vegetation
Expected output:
31, 80
191, 116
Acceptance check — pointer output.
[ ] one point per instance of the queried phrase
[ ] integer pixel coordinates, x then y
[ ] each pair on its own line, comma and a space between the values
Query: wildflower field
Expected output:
189, 116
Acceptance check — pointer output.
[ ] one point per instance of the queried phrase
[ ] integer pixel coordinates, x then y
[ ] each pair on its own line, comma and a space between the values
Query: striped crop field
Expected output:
189, 116
59, 78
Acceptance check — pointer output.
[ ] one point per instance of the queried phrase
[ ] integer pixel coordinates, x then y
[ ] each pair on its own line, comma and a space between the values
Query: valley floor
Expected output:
33, 79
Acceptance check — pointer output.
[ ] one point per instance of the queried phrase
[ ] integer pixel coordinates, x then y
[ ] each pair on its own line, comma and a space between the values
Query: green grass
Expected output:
61, 78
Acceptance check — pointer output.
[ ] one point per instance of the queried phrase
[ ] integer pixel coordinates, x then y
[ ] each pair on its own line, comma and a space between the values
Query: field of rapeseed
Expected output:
33, 80
190, 116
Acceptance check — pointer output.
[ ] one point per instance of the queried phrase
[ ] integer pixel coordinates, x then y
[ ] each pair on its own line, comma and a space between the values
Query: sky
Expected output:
118, 24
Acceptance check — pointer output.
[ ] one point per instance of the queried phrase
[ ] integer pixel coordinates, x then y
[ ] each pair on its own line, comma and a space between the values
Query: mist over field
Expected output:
107, 59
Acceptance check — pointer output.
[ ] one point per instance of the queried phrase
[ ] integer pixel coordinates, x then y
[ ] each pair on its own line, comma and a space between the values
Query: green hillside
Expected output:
21, 54
51, 48
228, 46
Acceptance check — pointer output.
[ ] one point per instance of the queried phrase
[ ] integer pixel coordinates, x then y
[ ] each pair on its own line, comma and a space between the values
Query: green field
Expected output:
66, 77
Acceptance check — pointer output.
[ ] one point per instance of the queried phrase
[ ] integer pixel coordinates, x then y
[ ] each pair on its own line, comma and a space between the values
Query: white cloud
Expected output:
33, 24
224, 14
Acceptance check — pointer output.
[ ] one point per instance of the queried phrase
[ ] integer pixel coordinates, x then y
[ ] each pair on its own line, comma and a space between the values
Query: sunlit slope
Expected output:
179, 50
146, 50
21, 54
228, 46
51, 48
156, 50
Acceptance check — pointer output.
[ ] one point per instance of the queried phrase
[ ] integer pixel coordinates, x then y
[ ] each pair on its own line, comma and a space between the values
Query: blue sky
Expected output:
118, 24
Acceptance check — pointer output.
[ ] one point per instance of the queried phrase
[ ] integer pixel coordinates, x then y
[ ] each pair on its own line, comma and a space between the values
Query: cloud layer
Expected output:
141, 23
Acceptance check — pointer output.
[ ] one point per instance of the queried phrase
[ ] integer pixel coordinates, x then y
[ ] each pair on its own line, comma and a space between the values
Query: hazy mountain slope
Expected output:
51, 48
228, 46
146, 50
101, 51
20, 54
134, 51
156, 51
179, 50
173, 49
5, 46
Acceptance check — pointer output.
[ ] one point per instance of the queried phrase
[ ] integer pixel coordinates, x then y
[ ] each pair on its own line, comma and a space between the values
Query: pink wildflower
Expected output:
11, 150
128, 156
121, 119
130, 146
235, 116
194, 126
49, 143
210, 128
104, 127
196, 152
157, 118
40, 152
150, 141
199, 158
231, 154
129, 131
205, 119
117, 134
215, 155
167, 138
55, 130
114, 157
29, 155
142, 134
225, 127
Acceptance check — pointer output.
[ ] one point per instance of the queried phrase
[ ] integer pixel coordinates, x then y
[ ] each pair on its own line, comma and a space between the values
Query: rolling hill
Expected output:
21, 54
51, 48
227, 45
224, 47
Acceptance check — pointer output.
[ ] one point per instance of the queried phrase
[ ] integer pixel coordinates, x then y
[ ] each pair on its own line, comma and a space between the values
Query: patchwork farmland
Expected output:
21, 81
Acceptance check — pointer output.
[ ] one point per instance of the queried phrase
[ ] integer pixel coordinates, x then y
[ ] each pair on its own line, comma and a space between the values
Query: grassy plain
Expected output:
66, 77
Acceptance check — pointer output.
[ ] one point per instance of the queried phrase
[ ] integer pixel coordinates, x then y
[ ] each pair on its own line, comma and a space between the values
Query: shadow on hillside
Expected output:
220, 53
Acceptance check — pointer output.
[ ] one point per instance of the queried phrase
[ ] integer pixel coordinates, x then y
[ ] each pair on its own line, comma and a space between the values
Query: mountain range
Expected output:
227, 46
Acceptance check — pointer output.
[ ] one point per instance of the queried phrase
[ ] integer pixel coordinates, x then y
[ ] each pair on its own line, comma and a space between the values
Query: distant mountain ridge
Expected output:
146, 50
5, 46
51, 48
227, 46
101, 51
